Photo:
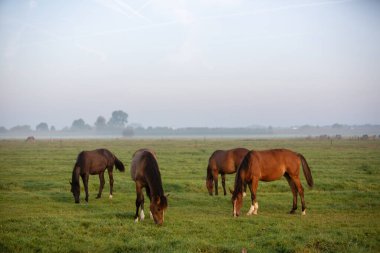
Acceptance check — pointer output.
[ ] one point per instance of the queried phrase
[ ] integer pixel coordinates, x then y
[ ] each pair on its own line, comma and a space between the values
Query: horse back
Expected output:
227, 161
272, 164
238, 155
94, 161
139, 163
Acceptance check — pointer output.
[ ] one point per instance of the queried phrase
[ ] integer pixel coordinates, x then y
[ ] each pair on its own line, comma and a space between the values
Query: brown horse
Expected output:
268, 166
92, 163
223, 162
145, 173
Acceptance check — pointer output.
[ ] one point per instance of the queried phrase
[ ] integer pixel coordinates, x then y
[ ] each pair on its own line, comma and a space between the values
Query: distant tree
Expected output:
42, 127
118, 119
79, 124
100, 123
52, 129
135, 125
3, 130
336, 125
21, 129
128, 132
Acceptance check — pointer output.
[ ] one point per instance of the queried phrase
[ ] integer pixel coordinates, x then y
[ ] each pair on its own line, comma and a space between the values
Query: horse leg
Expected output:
139, 200
254, 204
142, 215
245, 190
110, 174
85, 183
298, 184
148, 194
101, 179
294, 191
224, 183
215, 175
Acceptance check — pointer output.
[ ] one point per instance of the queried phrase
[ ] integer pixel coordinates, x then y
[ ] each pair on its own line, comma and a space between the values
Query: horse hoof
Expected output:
244, 194
98, 197
292, 212
137, 220
304, 212
111, 196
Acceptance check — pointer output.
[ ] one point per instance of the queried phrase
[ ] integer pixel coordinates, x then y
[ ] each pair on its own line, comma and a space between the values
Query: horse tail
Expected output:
306, 171
119, 165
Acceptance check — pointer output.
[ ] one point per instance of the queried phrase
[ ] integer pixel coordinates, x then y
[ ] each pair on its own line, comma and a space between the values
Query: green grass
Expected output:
38, 214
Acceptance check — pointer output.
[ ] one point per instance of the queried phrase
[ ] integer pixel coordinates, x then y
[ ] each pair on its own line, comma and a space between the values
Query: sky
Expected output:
190, 63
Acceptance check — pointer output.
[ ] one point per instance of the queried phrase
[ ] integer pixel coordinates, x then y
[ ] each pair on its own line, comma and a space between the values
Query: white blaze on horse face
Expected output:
235, 208
142, 215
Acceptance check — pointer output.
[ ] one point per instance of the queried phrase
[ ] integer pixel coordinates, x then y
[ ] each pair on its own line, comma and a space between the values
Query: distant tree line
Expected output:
116, 124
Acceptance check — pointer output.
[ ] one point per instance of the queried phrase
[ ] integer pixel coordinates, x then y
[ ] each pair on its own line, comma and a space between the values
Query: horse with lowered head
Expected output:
146, 174
268, 166
94, 162
223, 162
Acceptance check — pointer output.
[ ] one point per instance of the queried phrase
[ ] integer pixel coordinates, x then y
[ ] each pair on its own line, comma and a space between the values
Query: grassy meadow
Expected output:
38, 213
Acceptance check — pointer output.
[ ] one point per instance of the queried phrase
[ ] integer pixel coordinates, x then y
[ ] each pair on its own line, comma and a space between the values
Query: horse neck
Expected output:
209, 173
153, 179
239, 180
75, 175
238, 184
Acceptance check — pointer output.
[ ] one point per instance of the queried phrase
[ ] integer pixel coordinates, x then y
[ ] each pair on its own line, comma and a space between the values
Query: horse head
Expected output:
237, 203
158, 205
75, 190
209, 185
209, 180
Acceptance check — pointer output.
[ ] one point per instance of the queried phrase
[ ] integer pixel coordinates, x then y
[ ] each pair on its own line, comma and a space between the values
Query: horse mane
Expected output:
239, 181
77, 166
152, 173
209, 173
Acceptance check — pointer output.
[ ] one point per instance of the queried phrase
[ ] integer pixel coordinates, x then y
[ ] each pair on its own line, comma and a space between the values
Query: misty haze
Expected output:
190, 126
197, 64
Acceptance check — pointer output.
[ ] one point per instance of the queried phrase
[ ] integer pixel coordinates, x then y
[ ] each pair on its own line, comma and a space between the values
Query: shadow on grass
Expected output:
4, 248
62, 197
125, 215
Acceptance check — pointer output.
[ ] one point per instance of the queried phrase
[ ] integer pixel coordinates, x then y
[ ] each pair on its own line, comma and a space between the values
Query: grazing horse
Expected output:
223, 162
92, 163
268, 166
145, 173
